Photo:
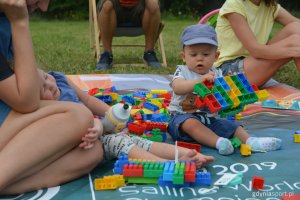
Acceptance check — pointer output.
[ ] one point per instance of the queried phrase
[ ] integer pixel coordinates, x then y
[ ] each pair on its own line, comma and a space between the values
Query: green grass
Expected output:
65, 46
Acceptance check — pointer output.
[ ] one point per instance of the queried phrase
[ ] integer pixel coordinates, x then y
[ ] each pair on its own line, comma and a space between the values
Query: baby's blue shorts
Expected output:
221, 127
4, 111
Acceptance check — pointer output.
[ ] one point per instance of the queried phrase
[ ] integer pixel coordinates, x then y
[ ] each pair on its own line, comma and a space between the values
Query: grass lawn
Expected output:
65, 46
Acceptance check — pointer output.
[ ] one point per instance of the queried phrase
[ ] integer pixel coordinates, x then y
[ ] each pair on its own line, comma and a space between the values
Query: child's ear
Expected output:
182, 55
217, 55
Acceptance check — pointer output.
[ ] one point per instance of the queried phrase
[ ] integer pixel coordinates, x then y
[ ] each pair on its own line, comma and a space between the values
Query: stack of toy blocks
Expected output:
109, 182
162, 173
149, 115
228, 95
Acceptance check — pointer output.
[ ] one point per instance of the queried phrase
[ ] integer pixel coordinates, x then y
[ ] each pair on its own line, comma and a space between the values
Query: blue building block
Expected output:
162, 183
118, 167
169, 171
245, 82
221, 100
202, 179
105, 98
159, 118
150, 106
128, 99
221, 81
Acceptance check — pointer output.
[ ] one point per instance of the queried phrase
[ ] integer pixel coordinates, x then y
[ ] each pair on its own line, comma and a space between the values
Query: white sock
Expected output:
224, 146
261, 144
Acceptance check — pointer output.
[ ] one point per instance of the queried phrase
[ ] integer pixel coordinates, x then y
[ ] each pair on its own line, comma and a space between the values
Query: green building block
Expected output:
143, 180
201, 90
236, 142
178, 176
153, 169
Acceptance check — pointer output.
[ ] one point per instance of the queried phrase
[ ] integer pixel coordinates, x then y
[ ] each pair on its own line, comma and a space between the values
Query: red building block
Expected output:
188, 145
208, 84
137, 129
199, 102
190, 172
290, 197
257, 182
133, 170
212, 103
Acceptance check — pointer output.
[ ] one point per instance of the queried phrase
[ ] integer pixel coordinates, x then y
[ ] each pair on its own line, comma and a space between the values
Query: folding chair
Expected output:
210, 18
121, 31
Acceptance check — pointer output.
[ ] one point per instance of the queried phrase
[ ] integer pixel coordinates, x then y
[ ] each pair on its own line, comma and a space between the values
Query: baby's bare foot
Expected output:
198, 158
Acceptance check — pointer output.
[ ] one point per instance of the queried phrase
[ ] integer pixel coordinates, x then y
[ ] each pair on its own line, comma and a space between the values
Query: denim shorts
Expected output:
233, 66
221, 127
4, 111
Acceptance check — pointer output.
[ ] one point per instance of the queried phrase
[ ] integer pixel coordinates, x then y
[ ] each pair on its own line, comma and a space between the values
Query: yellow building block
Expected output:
234, 98
232, 85
146, 111
262, 95
245, 150
114, 96
109, 182
297, 138
238, 116
157, 103
158, 91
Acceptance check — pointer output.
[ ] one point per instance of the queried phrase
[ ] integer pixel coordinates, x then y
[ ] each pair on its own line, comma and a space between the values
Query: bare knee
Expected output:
107, 7
152, 6
81, 116
190, 125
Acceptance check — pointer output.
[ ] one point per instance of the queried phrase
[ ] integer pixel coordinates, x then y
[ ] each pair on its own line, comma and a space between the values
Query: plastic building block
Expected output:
199, 102
150, 106
188, 145
118, 166
237, 180
135, 128
178, 176
128, 99
236, 142
297, 136
190, 172
154, 169
212, 103
158, 91
220, 81
169, 171
257, 182
133, 170
145, 180
109, 182
93, 91
291, 196
208, 84
201, 90
245, 150
203, 179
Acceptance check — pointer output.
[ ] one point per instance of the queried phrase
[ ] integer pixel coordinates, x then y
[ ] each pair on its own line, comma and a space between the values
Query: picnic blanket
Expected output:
280, 169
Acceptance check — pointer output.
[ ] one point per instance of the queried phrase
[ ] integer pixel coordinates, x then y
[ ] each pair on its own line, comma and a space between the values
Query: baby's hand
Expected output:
210, 77
89, 139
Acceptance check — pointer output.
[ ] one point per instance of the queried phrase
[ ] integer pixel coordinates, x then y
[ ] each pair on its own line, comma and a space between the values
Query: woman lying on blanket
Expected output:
56, 86
29, 159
